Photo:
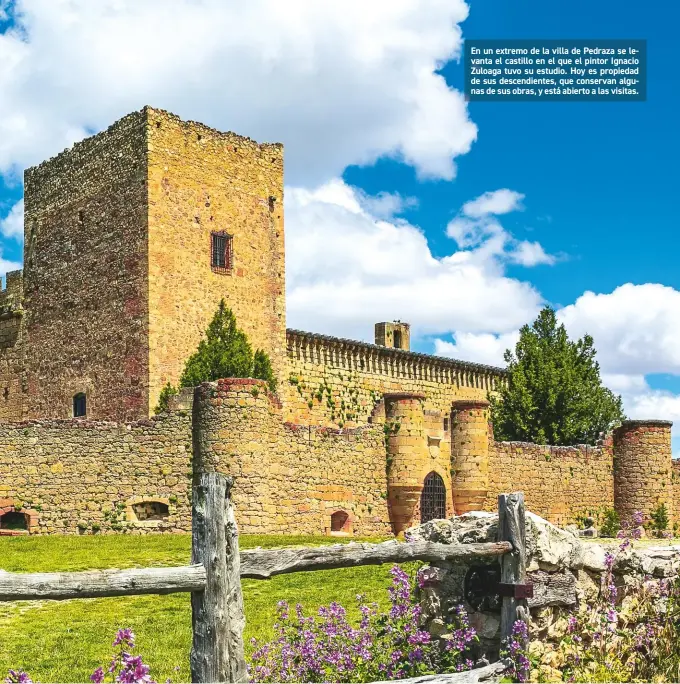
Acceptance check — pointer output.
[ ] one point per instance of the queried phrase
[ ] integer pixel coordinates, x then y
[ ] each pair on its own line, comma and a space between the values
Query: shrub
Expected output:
611, 524
383, 646
262, 369
659, 521
164, 399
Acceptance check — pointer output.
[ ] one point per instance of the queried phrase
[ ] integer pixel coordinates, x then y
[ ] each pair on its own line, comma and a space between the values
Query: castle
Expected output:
132, 237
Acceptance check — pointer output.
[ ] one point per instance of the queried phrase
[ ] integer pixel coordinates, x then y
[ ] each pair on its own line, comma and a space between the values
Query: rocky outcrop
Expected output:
565, 570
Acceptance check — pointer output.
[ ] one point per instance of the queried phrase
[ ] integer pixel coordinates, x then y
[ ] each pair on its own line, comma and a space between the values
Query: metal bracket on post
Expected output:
516, 591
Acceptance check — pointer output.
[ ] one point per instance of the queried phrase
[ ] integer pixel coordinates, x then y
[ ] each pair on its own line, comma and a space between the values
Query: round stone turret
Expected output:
470, 454
407, 456
642, 468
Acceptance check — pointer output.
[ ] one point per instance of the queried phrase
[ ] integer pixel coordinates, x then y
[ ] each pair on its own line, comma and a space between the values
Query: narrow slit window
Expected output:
79, 405
222, 252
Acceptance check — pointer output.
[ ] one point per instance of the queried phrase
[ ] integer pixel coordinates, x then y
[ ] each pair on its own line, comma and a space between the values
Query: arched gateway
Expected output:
433, 498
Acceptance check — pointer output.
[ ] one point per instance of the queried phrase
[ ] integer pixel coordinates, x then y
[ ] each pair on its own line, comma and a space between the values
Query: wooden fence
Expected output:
214, 576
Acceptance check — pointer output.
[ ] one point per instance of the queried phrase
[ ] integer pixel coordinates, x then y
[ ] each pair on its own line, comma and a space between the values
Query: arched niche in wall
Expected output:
16, 520
147, 511
341, 523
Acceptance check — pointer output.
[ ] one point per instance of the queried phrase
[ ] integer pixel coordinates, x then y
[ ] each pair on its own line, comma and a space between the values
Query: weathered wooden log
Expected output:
488, 673
100, 583
511, 527
216, 654
552, 589
237, 616
265, 563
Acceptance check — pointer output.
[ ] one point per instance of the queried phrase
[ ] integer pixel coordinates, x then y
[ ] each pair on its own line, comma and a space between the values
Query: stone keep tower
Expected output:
132, 237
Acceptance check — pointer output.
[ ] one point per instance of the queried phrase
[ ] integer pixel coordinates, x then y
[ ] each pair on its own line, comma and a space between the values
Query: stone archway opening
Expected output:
151, 510
433, 498
341, 523
14, 521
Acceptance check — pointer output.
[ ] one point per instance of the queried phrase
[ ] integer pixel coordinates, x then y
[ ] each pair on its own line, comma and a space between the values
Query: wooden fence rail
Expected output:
214, 577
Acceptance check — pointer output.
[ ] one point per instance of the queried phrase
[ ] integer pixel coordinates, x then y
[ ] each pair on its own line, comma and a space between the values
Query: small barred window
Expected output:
221, 252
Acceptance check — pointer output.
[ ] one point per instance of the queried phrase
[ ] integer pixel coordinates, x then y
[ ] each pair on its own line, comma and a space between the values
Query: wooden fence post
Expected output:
217, 612
511, 527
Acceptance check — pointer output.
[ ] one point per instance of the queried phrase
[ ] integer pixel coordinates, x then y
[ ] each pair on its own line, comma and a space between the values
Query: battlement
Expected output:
12, 295
156, 116
399, 363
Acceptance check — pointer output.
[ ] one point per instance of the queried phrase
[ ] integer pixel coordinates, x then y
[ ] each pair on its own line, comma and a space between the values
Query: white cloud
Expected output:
339, 82
347, 269
500, 201
12, 226
642, 402
530, 254
385, 205
636, 328
476, 226
485, 348
472, 232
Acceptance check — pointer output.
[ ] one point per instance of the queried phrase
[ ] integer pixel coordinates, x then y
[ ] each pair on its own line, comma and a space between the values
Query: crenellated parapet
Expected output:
352, 355
12, 296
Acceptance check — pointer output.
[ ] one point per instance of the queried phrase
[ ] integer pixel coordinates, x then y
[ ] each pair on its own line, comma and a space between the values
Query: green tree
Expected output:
554, 394
262, 369
224, 352
164, 400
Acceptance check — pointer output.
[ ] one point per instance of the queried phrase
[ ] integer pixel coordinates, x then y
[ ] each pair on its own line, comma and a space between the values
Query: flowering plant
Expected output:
124, 667
629, 633
385, 645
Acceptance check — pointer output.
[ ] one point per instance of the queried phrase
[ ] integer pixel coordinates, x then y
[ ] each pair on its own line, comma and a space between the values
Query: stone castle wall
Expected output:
559, 483
303, 478
86, 277
643, 467
675, 477
12, 346
290, 479
339, 382
203, 181
74, 476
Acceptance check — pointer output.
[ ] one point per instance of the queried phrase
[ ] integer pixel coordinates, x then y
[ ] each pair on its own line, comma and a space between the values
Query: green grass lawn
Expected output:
64, 641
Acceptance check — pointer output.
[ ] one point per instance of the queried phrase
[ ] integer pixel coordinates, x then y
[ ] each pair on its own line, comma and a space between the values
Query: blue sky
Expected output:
600, 179
402, 201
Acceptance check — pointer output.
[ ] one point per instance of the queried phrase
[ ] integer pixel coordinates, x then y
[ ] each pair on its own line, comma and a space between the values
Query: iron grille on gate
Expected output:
433, 499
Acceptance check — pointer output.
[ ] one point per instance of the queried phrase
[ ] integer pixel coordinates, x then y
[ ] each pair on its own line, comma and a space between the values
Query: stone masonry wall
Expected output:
200, 181
75, 474
85, 277
559, 483
339, 383
289, 479
12, 380
675, 479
